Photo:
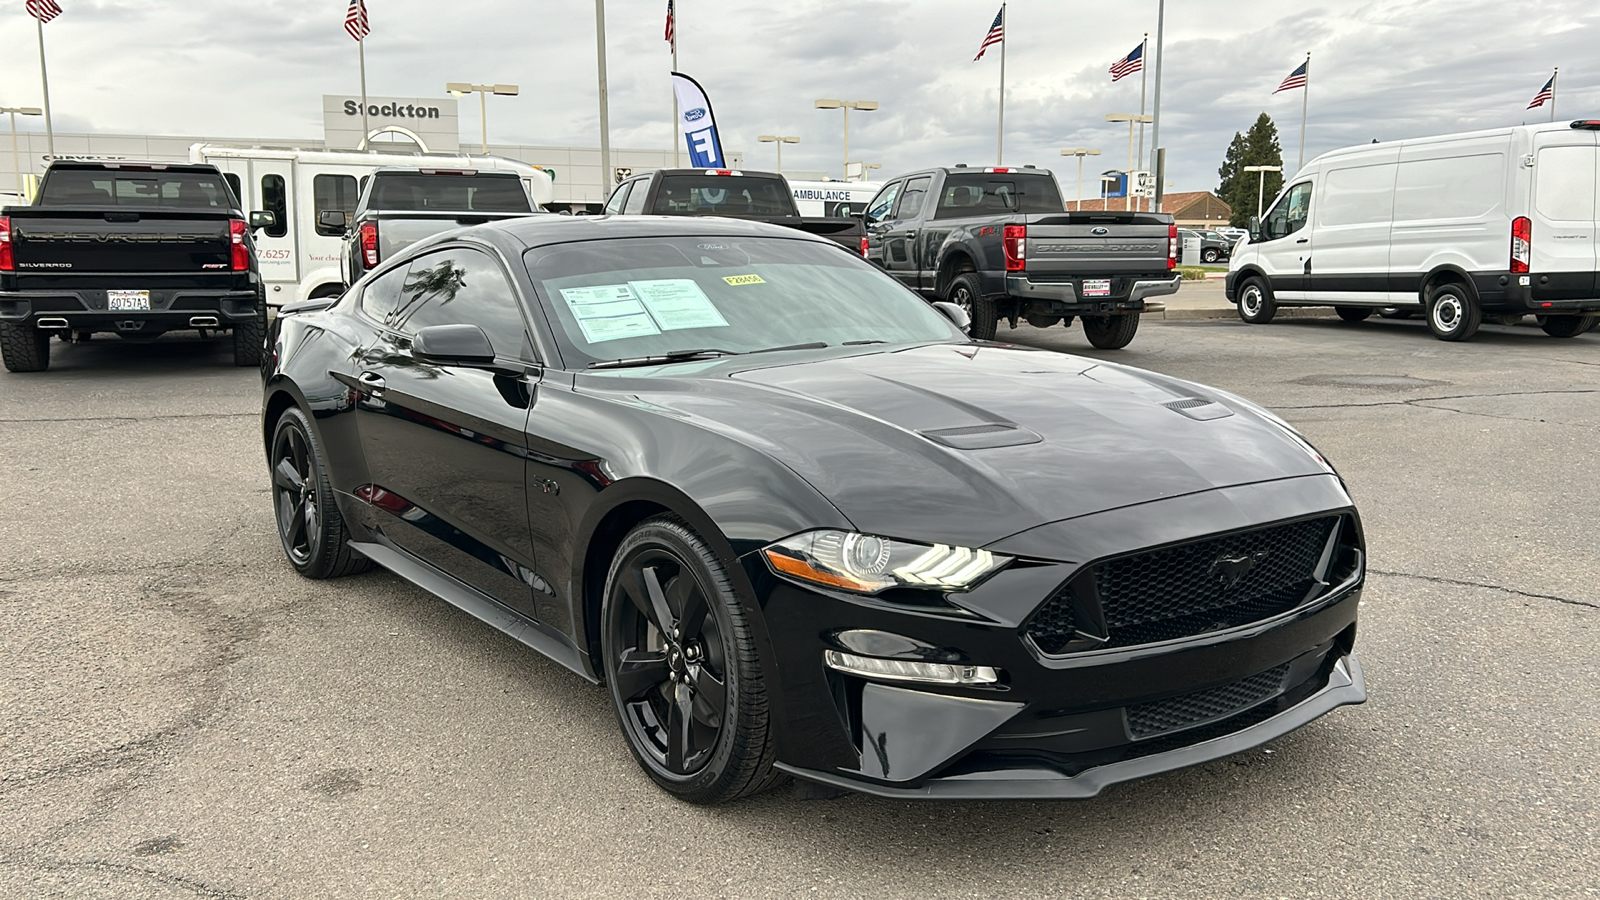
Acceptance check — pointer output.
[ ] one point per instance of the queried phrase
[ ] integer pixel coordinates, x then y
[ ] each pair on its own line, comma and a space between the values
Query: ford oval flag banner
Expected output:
699, 126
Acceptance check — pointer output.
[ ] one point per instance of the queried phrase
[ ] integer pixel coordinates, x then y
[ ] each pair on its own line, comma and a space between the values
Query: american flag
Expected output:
355, 20
1129, 64
43, 10
996, 35
672, 26
1545, 95
1296, 79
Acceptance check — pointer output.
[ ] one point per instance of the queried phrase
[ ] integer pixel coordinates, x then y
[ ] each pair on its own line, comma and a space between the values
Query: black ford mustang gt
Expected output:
799, 524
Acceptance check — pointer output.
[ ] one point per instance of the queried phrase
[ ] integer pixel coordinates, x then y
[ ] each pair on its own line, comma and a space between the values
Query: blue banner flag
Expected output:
698, 125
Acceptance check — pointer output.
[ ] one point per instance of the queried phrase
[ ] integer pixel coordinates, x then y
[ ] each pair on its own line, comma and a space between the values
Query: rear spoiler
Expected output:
1103, 217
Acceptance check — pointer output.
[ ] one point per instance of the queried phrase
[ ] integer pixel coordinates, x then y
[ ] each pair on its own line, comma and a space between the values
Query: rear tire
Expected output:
1567, 326
1111, 332
1353, 313
1210, 256
24, 347
967, 293
1255, 302
250, 338
1453, 314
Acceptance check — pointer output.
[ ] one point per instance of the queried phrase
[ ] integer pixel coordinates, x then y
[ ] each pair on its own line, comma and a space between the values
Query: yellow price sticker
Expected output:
743, 279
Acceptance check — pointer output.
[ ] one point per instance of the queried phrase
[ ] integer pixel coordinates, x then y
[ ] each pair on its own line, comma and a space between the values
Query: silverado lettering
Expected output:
99, 237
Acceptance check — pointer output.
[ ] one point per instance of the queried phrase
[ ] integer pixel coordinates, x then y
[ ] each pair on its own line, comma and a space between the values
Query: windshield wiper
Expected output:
814, 345
670, 356
859, 343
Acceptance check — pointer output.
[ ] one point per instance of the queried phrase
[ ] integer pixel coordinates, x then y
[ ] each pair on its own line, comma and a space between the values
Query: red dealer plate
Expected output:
1100, 287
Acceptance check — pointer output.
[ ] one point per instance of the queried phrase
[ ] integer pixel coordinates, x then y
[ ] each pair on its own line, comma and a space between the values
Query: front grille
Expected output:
1188, 589
1147, 720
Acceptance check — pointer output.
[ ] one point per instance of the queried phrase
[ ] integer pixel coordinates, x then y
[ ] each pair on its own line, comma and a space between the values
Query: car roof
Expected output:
543, 230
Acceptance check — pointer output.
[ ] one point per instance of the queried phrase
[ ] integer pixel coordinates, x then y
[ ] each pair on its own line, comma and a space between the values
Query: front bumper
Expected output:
1127, 293
85, 310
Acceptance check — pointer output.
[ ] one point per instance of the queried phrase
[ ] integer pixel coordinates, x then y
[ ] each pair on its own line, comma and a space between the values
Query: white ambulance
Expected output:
840, 199
299, 257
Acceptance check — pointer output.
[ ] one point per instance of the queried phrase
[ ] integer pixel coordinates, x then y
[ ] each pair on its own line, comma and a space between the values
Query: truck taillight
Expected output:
7, 260
239, 253
368, 236
1172, 247
863, 246
1016, 244
1521, 244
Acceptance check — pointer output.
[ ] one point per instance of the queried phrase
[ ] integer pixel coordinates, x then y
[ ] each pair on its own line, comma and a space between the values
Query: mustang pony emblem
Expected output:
1230, 570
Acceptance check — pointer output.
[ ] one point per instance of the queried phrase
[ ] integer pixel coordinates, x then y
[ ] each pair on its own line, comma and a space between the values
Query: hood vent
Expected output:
1199, 408
982, 437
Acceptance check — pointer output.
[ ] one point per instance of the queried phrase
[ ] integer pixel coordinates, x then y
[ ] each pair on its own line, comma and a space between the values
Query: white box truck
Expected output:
1460, 227
300, 256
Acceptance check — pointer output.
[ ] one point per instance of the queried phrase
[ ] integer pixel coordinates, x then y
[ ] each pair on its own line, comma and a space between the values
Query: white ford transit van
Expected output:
1492, 223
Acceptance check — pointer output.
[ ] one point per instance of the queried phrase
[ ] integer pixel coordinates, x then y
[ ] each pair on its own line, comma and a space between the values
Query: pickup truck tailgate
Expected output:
1108, 244
67, 241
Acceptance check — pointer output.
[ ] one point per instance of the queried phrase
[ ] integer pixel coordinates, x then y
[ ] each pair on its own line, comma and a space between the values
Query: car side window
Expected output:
618, 197
879, 208
382, 294
461, 285
1291, 213
275, 199
236, 185
912, 197
636, 199
333, 192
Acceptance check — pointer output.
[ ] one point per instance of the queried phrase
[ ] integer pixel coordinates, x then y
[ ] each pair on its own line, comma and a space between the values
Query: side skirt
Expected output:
533, 634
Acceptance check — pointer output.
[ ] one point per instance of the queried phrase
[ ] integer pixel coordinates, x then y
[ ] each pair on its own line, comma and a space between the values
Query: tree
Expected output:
1238, 188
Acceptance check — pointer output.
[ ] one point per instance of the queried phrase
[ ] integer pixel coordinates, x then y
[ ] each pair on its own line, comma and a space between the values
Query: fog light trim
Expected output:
907, 670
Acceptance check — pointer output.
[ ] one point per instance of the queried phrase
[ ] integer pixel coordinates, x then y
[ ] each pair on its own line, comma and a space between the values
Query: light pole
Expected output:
1130, 118
847, 105
1261, 183
14, 111
457, 88
1080, 153
780, 140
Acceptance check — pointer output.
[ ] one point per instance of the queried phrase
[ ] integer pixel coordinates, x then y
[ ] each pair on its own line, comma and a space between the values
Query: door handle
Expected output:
1303, 241
372, 382
912, 233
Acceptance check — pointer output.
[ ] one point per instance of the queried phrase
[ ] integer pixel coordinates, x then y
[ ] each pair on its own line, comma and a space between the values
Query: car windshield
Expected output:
722, 195
642, 297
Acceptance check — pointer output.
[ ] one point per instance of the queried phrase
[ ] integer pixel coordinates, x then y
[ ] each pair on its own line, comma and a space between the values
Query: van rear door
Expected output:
1565, 169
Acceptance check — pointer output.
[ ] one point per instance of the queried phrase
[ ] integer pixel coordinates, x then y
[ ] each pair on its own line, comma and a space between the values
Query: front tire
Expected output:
1453, 315
682, 668
1566, 326
1111, 332
1353, 313
1255, 302
24, 348
966, 292
310, 526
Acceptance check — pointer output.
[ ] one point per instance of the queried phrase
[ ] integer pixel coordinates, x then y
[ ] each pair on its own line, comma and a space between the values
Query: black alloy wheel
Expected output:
1111, 332
682, 668
1255, 302
1566, 326
1210, 256
1453, 315
23, 347
966, 292
313, 532
1353, 313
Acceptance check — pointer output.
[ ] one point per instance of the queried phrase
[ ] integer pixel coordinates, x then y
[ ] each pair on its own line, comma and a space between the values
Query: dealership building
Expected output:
409, 124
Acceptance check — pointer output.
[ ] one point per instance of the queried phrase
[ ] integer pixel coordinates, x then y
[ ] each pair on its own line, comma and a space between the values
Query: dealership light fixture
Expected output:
13, 112
1131, 119
1080, 153
1261, 182
780, 140
847, 105
457, 88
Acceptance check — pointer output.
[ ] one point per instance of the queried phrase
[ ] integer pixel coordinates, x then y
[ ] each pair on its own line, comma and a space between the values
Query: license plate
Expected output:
1100, 287
127, 301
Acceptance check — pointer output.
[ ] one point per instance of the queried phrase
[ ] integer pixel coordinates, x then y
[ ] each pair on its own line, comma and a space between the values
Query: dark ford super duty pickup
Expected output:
753, 196
138, 249
998, 243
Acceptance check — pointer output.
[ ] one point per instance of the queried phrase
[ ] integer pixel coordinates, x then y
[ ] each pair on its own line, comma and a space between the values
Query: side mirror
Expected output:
957, 316
454, 345
262, 219
1255, 229
333, 218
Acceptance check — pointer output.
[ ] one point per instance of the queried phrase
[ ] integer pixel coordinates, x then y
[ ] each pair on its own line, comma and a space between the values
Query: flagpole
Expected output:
677, 143
361, 51
44, 78
606, 175
1000, 135
1305, 102
1553, 78
1144, 80
1155, 127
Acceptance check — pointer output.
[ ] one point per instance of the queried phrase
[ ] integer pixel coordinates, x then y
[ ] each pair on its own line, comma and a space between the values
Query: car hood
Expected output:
970, 443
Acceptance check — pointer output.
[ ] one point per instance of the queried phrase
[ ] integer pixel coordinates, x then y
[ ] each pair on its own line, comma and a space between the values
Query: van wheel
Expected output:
1111, 332
1566, 326
1452, 313
966, 293
24, 347
1353, 313
1255, 302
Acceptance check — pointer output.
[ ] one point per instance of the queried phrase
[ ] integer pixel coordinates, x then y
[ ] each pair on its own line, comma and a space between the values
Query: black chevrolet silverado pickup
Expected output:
400, 206
998, 243
752, 196
137, 249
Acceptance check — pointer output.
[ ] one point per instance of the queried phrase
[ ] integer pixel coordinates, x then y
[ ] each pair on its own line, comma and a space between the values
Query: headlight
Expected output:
869, 564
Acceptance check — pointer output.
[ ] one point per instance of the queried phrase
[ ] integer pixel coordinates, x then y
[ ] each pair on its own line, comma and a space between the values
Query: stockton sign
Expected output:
432, 119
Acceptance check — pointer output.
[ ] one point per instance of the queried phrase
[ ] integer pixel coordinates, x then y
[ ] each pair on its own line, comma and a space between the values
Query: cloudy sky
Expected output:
1386, 70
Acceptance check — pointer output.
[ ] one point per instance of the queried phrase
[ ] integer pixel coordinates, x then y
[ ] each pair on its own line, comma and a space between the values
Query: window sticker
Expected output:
677, 303
608, 312
743, 279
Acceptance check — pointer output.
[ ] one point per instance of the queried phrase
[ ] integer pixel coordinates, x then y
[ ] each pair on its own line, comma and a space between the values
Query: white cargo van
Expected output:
299, 257
841, 199
1491, 223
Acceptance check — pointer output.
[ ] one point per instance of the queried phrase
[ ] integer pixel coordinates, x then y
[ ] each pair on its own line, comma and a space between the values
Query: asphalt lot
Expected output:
184, 717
